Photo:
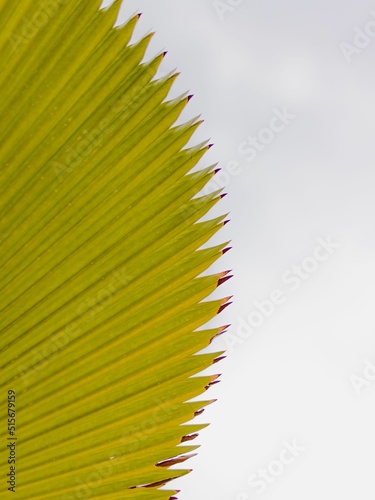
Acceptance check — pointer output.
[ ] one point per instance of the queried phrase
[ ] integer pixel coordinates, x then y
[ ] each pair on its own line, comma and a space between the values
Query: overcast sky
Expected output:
286, 89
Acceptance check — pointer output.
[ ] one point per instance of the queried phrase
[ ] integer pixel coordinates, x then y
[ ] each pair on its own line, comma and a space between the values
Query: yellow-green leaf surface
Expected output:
102, 252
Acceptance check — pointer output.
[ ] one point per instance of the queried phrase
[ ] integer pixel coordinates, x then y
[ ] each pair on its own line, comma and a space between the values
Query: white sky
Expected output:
312, 179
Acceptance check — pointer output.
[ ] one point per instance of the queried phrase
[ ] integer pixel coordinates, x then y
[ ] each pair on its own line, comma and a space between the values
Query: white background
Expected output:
306, 373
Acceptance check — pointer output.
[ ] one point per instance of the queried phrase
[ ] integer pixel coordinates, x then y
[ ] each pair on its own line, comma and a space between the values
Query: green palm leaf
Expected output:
100, 256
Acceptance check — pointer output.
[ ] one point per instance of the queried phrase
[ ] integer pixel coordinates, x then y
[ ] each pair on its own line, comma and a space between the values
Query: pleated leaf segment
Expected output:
101, 293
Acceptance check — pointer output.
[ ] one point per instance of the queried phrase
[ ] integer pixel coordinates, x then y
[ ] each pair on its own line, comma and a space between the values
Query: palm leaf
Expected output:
101, 293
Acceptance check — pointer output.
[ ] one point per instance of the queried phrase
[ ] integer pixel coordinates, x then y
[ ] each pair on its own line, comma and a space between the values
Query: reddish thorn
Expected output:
176, 460
224, 273
221, 308
189, 437
223, 195
214, 377
212, 383
214, 337
226, 222
176, 492
165, 53
199, 412
139, 15
224, 303
209, 146
216, 360
226, 250
223, 280
224, 328
217, 335
214, 380
190, 96
217, 170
